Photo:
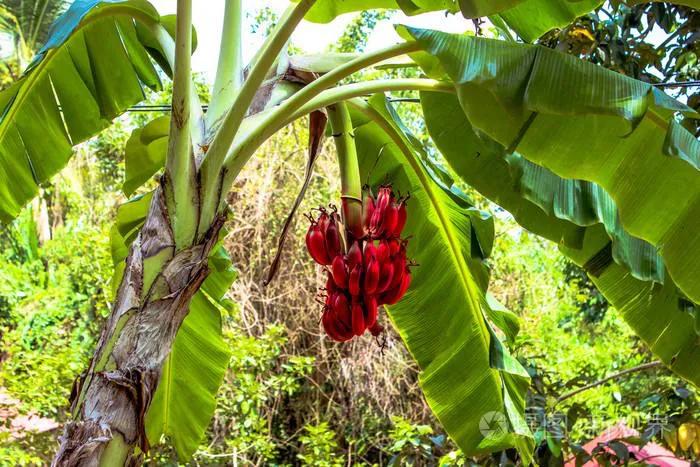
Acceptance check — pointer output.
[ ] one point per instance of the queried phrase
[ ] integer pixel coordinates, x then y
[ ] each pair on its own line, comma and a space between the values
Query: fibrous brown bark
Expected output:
112, 398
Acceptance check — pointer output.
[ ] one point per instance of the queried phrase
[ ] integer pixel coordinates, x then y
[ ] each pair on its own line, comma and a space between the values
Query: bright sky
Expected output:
310, 37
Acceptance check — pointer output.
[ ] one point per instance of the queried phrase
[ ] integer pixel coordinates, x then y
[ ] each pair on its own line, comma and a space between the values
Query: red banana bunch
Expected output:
363, 272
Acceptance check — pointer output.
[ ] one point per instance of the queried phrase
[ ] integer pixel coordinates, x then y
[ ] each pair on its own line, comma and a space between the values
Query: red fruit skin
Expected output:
354, 280
399, 264
340, 304
384, 198
323, 221
342, 312
401, 220
344, 323
382, 251
391, 217
329, 326
386, 274
371, 310
339, 272
394, 247
376, 225
331, 288
393, 296
370, 252
316, 245
354, 254
333, 242
334, 328
371, 276
367, 211
405, 284
358, 320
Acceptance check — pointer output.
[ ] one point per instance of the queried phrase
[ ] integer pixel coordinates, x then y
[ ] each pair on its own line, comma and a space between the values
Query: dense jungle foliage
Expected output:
289, 396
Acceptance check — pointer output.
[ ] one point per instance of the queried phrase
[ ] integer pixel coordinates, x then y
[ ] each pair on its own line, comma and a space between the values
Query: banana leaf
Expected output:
469, 379
583, 122
145, 153
695, 4
92, 68
530, 19
530, 191
661, 315
658, 313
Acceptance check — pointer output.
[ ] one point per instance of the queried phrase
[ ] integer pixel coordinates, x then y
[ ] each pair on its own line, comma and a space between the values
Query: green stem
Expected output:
331, 78
246, 147
213, 162
180, 169
619, 374
36, 25
229, 71
116, 453
350, 181
167, 44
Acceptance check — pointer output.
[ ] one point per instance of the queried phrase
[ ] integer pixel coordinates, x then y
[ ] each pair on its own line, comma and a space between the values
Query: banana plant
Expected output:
583, 156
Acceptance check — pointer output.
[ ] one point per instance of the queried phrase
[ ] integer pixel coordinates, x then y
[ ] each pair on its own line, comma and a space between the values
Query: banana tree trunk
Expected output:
110, 400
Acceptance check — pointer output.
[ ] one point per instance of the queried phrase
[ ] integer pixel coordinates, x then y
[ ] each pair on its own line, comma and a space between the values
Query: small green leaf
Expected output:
145, 153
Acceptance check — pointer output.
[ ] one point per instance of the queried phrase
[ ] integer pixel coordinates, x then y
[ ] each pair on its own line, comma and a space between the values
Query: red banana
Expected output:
358, 320
371, 310
401, 221
355, 254
333, 242
316, 245
391, 218
354, 280
386, 274
371, 276
365, 269
367, 211
393, 296
339, 272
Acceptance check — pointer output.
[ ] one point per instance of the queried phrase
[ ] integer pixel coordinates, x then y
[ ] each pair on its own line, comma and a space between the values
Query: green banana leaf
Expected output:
325, 11
475, 388
583, 122
145, 153
530, 19
529, 191
185, 399
91, 69
659, 314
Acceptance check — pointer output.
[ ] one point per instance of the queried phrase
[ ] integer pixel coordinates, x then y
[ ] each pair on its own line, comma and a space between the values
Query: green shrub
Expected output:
319, 447
50, 317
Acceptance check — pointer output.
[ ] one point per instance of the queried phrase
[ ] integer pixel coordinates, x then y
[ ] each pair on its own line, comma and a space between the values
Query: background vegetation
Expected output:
291, 396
